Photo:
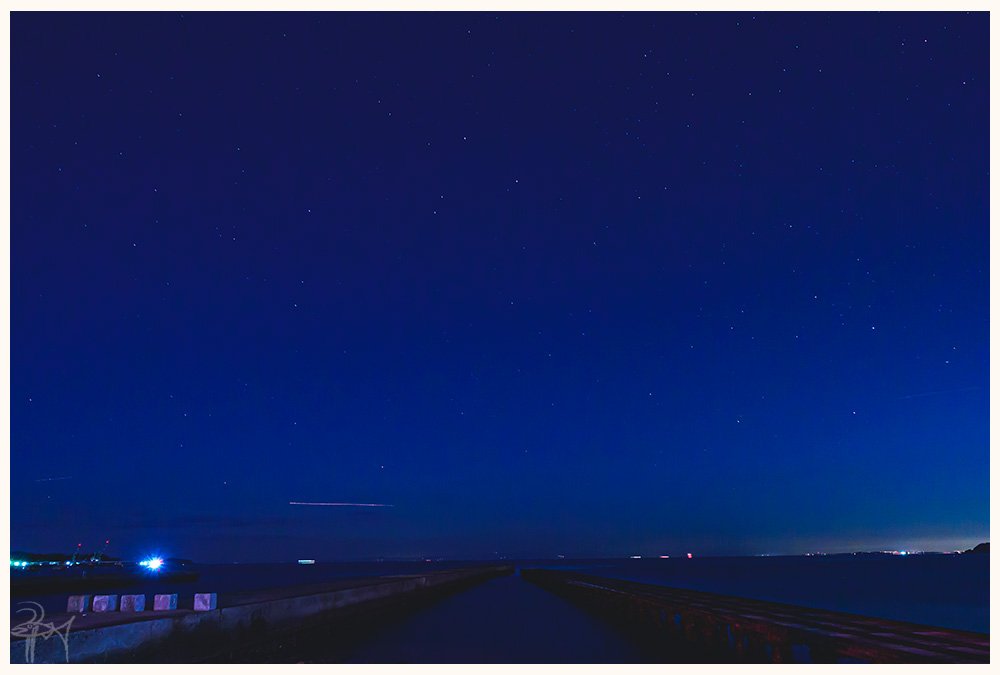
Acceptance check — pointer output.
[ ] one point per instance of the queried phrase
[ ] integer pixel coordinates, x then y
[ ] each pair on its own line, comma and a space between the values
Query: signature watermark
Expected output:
36, 627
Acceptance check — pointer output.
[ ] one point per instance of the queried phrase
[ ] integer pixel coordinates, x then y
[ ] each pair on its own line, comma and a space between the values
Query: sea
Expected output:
937, 590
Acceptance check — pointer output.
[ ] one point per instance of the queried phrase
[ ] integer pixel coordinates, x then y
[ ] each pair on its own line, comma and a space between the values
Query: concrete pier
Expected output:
697, 627
240, 621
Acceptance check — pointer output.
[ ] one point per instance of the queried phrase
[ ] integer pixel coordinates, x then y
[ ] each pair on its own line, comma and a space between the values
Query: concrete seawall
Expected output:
245, 620
684, 626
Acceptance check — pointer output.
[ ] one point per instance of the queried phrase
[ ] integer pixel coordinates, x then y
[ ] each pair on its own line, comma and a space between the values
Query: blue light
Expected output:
152, 564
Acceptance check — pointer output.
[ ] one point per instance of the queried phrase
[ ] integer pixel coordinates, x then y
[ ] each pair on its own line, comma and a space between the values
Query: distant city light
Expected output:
690, 555
152, 563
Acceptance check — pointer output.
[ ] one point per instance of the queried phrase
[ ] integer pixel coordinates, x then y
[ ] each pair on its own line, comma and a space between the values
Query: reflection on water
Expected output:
504, 620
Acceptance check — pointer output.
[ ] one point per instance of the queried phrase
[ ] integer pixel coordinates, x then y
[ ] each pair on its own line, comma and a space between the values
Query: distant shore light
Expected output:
152, 563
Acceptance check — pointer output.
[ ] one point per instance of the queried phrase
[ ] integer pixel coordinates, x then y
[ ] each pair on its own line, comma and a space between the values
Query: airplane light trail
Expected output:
338, 504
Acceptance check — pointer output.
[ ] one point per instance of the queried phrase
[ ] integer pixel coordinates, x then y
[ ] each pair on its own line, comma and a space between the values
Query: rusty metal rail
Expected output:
684, 625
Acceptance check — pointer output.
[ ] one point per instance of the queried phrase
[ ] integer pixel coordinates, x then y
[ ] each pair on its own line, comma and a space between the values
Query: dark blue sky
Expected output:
548, 284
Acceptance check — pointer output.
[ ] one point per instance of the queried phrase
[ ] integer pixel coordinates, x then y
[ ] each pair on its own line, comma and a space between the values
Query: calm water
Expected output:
951, 591
938, 590
503, 620
507, 620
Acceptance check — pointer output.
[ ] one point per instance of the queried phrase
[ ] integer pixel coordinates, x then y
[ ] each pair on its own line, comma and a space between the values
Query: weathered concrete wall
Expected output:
187, 635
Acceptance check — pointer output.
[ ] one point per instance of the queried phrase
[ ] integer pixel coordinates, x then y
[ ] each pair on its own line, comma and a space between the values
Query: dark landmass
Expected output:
980, 548
35, 573
59, 557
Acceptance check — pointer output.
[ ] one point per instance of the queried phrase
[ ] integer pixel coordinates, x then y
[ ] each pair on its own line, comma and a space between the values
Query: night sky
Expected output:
546, 284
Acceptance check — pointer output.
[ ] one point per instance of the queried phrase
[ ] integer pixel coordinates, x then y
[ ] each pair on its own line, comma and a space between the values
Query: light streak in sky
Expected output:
338, 504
